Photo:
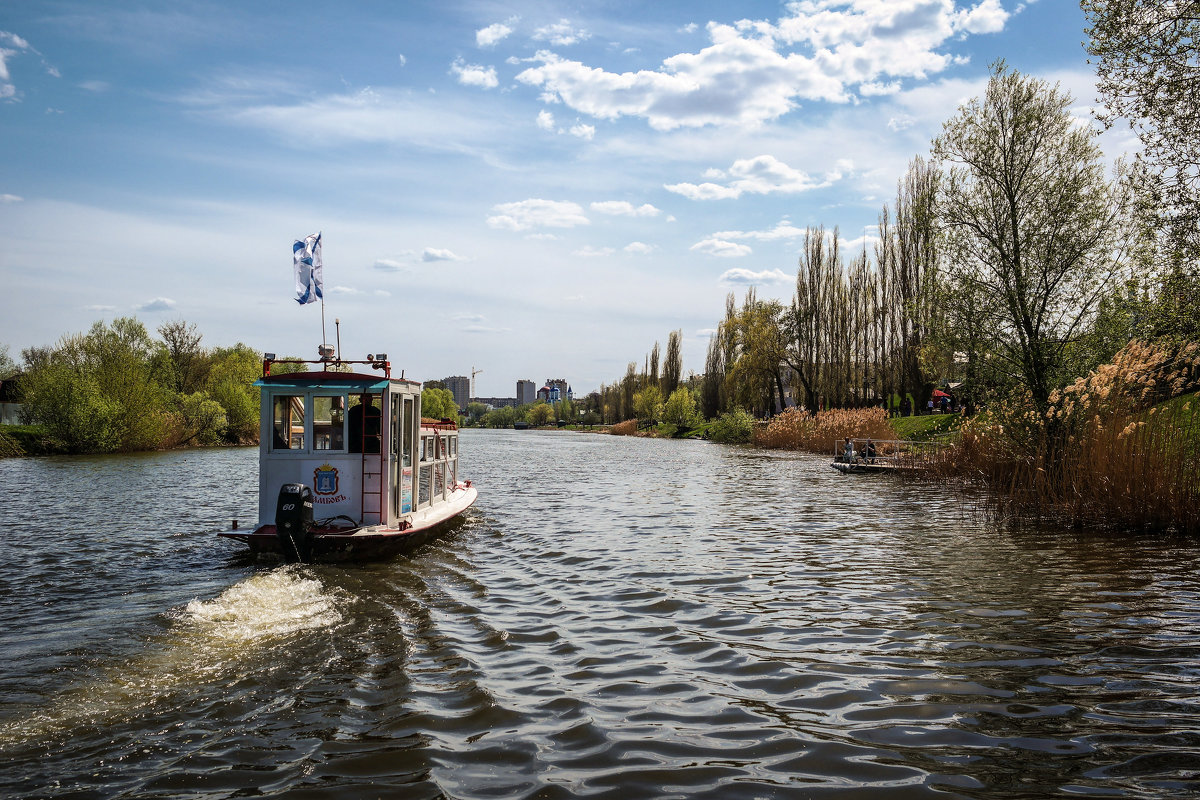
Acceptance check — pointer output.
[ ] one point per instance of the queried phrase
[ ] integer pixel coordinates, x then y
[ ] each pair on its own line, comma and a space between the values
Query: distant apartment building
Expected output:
496, 402
525, 392
460, 387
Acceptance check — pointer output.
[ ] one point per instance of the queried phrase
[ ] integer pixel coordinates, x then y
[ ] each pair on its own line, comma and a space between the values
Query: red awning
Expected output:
939, 393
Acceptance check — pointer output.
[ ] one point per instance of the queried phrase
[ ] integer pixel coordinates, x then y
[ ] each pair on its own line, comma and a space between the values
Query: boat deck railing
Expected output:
887, 452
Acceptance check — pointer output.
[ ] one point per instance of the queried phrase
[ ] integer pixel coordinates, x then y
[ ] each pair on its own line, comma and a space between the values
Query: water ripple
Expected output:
618, 617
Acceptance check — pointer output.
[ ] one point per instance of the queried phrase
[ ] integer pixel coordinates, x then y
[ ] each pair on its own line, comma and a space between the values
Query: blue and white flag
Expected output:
310, 277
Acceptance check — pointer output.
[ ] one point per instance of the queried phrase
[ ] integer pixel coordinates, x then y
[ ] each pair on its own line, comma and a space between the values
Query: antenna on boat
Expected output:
324, 340
337, 327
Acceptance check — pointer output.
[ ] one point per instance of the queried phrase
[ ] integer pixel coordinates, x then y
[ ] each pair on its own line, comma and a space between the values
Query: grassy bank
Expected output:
927, 427
27, 440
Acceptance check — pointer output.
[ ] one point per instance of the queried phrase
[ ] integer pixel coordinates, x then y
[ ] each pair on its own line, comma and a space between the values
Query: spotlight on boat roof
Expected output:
325, 351
379, 357
268, 356
370, 356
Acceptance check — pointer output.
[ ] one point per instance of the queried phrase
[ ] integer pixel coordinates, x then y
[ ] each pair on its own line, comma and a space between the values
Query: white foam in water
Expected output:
275, 603
208, 638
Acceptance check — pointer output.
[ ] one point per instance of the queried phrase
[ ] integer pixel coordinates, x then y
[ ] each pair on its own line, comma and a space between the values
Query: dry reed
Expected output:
1108, 449
796, 429
627, 428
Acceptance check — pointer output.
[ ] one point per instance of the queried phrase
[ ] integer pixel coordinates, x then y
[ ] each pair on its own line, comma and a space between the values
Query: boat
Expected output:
348, 468
873, 456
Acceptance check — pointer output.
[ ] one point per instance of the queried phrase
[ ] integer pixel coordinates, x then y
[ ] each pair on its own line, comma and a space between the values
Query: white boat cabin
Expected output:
358, 441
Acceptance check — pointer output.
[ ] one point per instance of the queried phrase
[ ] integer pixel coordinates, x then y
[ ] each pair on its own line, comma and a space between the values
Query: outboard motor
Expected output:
293, 522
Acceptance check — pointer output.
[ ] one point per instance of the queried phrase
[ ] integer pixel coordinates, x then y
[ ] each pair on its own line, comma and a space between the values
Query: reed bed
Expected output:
627, 428
796, 429
1120, 446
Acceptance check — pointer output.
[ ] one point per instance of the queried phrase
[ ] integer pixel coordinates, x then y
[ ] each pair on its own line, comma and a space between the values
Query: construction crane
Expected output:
474, 372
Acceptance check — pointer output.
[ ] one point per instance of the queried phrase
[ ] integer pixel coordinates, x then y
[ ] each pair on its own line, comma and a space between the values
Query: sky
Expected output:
525, 189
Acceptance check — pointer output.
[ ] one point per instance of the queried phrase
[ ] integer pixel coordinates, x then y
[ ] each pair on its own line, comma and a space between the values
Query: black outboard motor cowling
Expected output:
294, 521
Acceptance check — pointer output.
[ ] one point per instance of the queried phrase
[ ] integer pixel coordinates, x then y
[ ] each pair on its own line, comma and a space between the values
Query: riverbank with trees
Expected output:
1053, 299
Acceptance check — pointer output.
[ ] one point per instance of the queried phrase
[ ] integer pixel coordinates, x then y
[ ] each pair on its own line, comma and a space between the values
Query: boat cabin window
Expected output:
365, 416
329, 423
288, 423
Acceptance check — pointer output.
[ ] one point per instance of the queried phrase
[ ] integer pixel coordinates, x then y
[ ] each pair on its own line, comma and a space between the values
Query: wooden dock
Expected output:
874, 456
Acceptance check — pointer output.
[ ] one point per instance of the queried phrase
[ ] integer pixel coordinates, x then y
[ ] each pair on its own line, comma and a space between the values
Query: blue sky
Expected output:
532, 189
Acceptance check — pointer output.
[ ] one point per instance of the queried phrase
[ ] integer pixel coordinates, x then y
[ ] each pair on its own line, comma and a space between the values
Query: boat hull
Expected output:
860, 468
369, 543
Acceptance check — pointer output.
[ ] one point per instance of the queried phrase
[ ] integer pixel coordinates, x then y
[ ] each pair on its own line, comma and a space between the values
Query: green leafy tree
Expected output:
540, 414
733, 427
203, 419
230, 382
672, 369
1032, 222
648, 404
499, 417
96, 392
187, 362
475, 413
8, 367
1147, 56
754, 376
682, 409
438, 404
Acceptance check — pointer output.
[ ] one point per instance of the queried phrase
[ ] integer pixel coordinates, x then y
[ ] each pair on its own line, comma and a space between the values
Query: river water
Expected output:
617, 617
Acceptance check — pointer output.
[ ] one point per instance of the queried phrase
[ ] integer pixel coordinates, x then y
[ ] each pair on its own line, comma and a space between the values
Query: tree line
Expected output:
1009, 263
117, 388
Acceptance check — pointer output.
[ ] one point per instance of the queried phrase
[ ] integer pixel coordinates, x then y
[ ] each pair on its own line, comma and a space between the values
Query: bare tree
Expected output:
1031, 220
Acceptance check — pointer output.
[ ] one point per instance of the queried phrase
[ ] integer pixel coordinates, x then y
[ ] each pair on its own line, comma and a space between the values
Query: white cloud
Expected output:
721, 248
987, 17
537, 213
760, 175
820, 50
7, 88
560, 34
587, 251
100, 308
381, 293
483, 329
475, 75
745, 277
157, 304
435, 254
545, 121
349, 290
489, 36
782, 230
390, 265
639, 249
621, 208
11, 198
583, 131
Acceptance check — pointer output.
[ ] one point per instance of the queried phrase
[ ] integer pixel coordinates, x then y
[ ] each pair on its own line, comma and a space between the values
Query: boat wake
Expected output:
277, 603
206, 642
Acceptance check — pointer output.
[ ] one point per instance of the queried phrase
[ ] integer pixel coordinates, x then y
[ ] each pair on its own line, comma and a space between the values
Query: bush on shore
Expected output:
732, 427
